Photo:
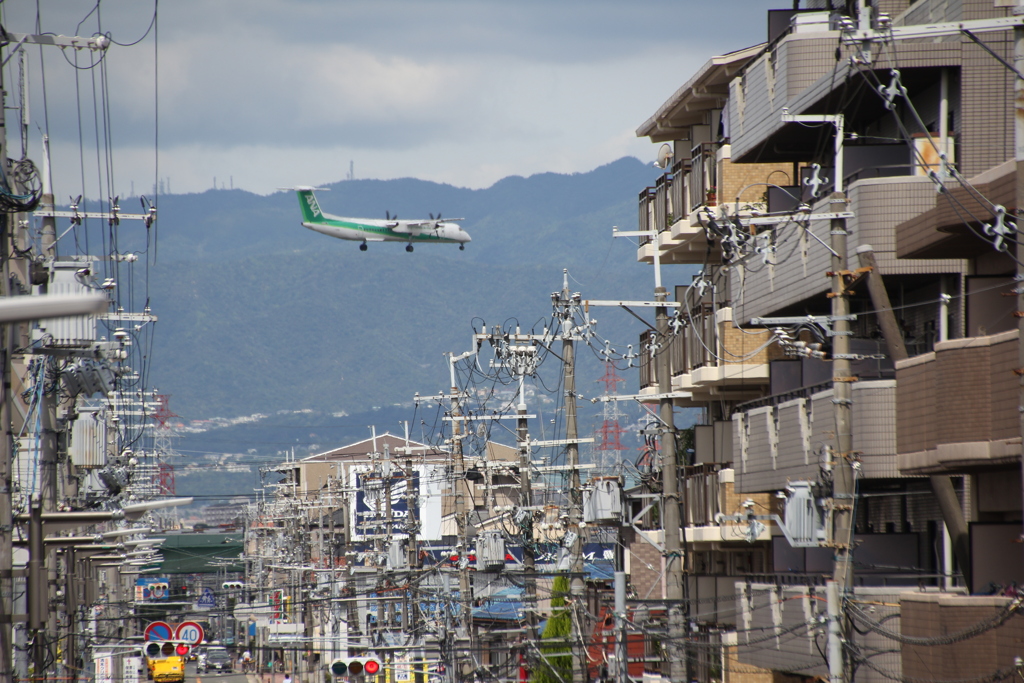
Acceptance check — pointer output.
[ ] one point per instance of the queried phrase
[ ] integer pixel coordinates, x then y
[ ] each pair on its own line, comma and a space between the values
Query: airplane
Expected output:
390, 229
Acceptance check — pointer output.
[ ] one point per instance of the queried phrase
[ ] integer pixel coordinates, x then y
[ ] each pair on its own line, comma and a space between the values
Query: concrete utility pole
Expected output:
843, 475
1018, 136
526, 525
461, 514
670, 490
565, 302
7, 333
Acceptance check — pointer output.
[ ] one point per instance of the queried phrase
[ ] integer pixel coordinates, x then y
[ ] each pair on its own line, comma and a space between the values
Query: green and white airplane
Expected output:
432, 230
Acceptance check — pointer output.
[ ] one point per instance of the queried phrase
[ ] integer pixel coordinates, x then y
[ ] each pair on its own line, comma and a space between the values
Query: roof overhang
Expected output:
706, 90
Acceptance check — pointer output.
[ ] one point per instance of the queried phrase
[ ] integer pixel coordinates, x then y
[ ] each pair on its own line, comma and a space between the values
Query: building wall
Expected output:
932, 615
746, 181
783, 442
782, 628
768, 84
965, 391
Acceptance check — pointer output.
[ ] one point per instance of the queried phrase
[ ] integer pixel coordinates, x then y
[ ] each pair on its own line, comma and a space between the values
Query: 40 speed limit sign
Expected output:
189, 632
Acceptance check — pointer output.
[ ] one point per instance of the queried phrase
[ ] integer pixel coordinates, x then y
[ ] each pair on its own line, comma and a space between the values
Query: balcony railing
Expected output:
645, 213
703, 494
704, 341
656, 206
703, 176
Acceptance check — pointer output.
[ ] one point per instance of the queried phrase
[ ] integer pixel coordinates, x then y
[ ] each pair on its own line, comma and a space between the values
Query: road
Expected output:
192, 675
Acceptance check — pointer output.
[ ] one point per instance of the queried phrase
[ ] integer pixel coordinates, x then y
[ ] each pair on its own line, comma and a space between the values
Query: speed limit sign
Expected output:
189, 632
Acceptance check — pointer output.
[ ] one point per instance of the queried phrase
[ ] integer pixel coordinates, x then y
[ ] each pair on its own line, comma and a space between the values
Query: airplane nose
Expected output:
465, 236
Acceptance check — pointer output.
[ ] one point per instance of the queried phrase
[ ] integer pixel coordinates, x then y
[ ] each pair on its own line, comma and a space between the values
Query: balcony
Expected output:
780, 439
956, 407
707, 178
796, 614
708, 491
933, 615
941, 232
712, 359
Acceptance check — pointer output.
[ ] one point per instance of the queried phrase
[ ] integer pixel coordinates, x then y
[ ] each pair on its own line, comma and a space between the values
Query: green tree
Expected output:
556, 633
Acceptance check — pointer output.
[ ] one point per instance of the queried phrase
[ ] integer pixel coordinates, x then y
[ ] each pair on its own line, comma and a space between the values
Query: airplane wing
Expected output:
414, 227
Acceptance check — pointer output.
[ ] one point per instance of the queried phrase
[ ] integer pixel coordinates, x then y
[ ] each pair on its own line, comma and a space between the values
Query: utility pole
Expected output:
461, 515
526, 516
1018, 136
565, 301
670, 488
843, 472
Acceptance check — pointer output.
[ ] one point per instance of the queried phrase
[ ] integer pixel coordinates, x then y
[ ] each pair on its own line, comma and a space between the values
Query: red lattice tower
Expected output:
163, 413
609, 434
164, 479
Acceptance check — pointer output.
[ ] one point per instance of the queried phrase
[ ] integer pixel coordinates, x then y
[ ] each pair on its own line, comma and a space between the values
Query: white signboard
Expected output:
403, 670
104, 664
367, 516
130, 670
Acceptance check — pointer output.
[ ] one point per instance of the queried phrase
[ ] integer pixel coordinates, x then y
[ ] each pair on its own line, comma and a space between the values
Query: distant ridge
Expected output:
258, 314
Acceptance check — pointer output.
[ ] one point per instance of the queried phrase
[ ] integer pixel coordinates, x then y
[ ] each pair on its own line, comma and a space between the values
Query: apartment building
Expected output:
919, 132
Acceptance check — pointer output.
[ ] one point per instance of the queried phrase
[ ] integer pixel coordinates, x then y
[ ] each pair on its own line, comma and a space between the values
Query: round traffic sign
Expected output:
189, 632
159, 630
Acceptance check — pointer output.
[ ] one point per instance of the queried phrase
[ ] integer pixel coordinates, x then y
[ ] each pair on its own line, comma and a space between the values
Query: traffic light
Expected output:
232, 585
167, 648
356, 666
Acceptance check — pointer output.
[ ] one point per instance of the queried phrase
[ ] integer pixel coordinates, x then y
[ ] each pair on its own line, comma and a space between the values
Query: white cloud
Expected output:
460, 91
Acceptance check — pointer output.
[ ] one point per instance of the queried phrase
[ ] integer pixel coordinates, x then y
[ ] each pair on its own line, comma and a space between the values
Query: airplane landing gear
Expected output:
408, 247
362, 247
462, 247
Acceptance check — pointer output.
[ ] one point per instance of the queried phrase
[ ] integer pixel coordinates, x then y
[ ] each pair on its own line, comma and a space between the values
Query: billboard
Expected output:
377, 495
151, 588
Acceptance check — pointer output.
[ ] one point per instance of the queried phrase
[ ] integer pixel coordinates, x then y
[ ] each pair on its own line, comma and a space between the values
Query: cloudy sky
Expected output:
261, 94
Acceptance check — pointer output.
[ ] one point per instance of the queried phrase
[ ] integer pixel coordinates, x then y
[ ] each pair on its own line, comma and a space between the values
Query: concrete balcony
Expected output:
705, 181
942, 232
933, 615
713, 360
956, 407
780, 439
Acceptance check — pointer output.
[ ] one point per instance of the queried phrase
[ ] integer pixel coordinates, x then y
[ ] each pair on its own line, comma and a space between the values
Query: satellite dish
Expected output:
665, 155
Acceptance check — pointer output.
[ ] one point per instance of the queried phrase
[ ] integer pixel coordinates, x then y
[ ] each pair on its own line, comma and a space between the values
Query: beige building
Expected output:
738, 157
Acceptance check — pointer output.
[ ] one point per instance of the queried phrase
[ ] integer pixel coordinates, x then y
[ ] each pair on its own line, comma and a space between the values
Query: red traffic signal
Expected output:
164, 649
356, 666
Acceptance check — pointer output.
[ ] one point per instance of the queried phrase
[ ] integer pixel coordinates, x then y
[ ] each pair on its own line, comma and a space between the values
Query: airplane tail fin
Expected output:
311, 212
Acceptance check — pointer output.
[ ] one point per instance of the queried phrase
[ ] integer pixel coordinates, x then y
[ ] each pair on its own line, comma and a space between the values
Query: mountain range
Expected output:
258, 314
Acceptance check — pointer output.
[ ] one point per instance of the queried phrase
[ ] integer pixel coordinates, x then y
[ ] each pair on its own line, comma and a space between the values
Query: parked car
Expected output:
217, 659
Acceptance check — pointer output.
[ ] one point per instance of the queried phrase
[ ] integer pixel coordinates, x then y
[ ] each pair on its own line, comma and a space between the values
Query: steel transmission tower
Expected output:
608, 437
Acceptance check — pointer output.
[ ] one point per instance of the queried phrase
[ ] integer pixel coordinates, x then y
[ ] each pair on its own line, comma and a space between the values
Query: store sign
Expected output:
104, 663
